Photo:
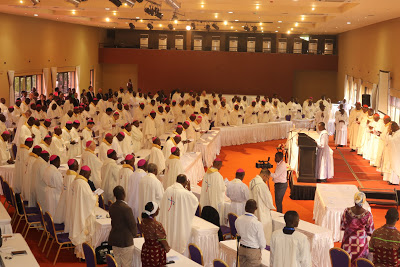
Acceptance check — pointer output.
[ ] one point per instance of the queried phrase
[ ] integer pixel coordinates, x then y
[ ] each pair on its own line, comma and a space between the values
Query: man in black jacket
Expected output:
90, 95
123, 229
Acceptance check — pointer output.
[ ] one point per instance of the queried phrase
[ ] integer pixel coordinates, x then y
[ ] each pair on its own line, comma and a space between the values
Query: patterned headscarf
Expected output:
359, 198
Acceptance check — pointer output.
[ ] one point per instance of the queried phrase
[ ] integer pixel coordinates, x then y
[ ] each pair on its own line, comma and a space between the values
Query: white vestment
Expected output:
239, 193
324, 164
249, 117
4, 152
94, 163
59, 148
259, 191
20, 167
137, 138
149, 131
37, 186
127, 144
109, 178
116, 145
132, 192
25, 132
222, 117
54, 184
125, 174
64, 201
87, 135
341, 128
75, 150
27, 175
157, 157
394, 152
177, 210
173, 167
103, 148
150, 189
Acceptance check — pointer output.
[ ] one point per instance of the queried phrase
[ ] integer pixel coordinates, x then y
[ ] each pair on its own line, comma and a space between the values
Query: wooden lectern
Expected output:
307, 158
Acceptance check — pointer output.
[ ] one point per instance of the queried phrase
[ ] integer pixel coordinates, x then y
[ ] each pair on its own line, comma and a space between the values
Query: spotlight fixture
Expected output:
254, 28
129, 3
246, 28
174, 17
150, 26
131, 26
139, 1
35, 2
74, 2
208, 28
154, 11
193, 25
215, 26
188, 28
170, 26
117, 3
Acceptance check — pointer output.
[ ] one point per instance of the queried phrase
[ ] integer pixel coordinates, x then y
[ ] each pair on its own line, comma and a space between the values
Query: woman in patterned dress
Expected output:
155, 245
357, 224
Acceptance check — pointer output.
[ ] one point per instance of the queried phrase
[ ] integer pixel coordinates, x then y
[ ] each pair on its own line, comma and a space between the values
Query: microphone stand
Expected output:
237, 249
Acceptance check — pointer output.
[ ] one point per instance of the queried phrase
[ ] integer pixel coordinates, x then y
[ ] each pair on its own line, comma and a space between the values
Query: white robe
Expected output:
239, 193
20, 167
149, 131
249, 117
259, 191
103, 148
59, 148
127, 144
36, 185
87, 135
94, 163
150, 189
27, 175
75, 150
157, 157
173, 167
109, 178
125, 174
54, 184
324, 168
341, 128
222, 116
25, 132
290, 250
375, 140
38, 135
64, 201
4, 152
394, 152
132, 192
213, 192
137, 138
116, 145
177, 210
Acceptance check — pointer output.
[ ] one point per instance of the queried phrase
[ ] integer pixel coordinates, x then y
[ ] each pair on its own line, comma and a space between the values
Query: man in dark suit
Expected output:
100, 94
90, 95
123, 229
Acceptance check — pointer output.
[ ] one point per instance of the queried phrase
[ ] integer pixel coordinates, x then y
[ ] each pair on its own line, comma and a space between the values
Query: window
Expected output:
27, 83
65, 81
394, 109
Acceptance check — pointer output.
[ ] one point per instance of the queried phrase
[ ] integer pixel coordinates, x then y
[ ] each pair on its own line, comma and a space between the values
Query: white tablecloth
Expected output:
228, 253
329, 204
253, 133
7, 172
192, 163
304, 124
182, 261
320, 239
5, 221
209, 145
15, 243
102, 227
331, 127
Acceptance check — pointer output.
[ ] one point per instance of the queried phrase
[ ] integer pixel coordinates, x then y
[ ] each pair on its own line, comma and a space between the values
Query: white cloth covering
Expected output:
157, 157
173, 167
132, 191
64, 201
109, 178
238, 192
54, 184
4, 152
90, 159
150, 189
324, 163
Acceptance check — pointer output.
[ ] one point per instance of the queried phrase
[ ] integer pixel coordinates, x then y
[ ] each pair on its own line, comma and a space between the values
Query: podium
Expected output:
307, 158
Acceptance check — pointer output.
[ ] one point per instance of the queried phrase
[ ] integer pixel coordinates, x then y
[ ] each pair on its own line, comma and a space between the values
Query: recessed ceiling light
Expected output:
137, 17
348, 22
296, 24
141, 20
262, 31
260, 23
276, 31
21, 2
288, 32
313, 8
236, 20
291, 29
73, 12
231, 27
202, 6
176, 21
160, 25
225, 22
302, 17
35, 15
216, 15
230, 12
125, 4
107, 8
235, 30
257, 7
242, 26
114, 13
107, 19
262, 28
279, 21
188, 28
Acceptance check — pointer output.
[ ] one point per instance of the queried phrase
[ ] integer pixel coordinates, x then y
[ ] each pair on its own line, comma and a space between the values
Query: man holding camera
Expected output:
279, 177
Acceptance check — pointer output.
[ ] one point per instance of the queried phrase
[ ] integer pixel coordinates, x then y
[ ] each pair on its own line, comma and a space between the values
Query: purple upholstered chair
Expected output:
232, 219
219, 263
195, 254
7, 195
111, 261
339, 257
364, 263
101, 202
90, 255
288, 117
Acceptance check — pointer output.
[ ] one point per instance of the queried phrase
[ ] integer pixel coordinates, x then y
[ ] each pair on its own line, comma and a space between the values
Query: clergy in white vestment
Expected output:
289, 247
35, 190
25, 131
309, 110
20, 164
250, 115
127, 142
169, 119
137, 136
275, 114
58, 146
126, 172
138, 114
259, 191
160, 121
90, 159
173, 167
341, 122
67, 117
149, 130
35, 130
104, 146
177, 210
75, 148
213, 189
106, 123
235, 117
132, 192
157, 155
364, 148
324, 168
117, 144
27, 172
363, 118
173, 141
87, 134
190, 132
383, 143
109, 175
45, 144
64, 201
354, 125
222, 115
375, 139
54, 184
394, 153
263, 112
322, 115
238, 192
66, 136
5, 156
80, 216
150, 188
117, 123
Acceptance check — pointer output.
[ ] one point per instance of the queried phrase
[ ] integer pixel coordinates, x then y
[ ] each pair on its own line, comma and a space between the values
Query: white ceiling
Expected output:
297, 16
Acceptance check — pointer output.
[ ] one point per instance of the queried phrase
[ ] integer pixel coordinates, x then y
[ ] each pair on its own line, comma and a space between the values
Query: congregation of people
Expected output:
98, 137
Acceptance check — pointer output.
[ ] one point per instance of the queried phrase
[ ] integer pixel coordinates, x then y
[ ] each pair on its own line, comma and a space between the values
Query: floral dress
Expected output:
153, 252
356, 229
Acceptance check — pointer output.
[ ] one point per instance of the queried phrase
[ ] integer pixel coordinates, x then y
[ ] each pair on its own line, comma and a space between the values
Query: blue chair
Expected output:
58, 226
232, 219
7, 195
101, 202
219, 263
111, 261
195, 254
33, 220
288, 117
2, 187
198, 211
90, 255
364, 263
339, 257
19, 214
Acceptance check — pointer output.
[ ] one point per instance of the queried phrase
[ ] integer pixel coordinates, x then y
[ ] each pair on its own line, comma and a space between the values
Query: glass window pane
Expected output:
34, 81
23, 84
28, 83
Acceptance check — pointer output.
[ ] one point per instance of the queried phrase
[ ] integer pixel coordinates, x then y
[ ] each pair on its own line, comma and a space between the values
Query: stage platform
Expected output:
350, 168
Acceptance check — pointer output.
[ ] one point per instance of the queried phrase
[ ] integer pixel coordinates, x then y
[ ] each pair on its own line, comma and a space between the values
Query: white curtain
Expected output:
77, 80
350, 84
11, 86
373, 96
53, 77
46, 77
359, 90
346, 88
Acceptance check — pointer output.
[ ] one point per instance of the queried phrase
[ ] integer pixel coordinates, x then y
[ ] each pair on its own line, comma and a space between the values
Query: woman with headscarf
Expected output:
155, 247
357, 224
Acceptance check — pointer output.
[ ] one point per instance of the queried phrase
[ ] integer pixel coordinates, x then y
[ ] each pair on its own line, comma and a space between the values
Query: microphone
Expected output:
269, 158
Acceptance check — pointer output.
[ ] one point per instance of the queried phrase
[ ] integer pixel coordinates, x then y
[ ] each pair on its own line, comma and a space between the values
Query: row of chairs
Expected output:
340, 258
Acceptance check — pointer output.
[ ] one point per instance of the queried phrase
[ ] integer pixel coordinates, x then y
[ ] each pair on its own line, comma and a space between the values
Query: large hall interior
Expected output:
199, 133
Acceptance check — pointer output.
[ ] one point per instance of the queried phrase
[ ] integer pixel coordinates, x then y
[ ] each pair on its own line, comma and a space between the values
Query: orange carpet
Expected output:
245, 157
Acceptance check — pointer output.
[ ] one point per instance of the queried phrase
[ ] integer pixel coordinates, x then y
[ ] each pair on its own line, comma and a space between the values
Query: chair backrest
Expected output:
90, 255
50, 225
101, 202
198, 211
41, 215
1, 182
195, 254
6, 192
219, 263
339, 257
19, 211
111, 261
232, 219
211, 215
364, 263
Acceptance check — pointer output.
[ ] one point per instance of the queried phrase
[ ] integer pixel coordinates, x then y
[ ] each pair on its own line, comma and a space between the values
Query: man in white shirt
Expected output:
238, 192
288, 247
279, 177
252, 239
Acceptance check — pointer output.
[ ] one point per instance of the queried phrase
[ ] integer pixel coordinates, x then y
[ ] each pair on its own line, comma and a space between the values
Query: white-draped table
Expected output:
16, 243
5, 221
7, 172
253, 133
329, 204
228, 253
178, 258
102, 227
192, 163
209, 145
304, 124
320, 239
